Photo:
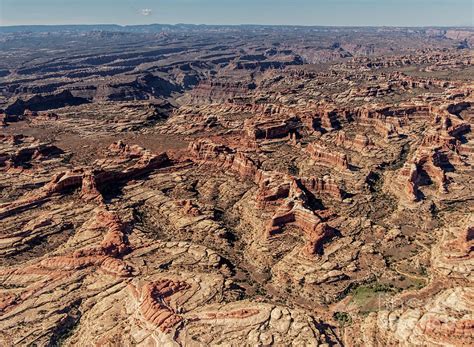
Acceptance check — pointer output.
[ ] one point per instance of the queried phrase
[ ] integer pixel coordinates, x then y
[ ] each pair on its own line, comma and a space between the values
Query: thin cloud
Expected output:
145, 11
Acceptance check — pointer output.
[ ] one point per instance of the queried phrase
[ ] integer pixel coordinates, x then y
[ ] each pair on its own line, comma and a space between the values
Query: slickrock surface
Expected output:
237, 186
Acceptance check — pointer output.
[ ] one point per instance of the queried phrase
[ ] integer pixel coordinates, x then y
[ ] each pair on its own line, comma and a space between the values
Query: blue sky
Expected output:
301, 12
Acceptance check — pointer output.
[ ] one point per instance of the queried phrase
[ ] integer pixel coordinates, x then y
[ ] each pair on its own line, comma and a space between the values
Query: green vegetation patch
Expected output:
343, 318
372, 297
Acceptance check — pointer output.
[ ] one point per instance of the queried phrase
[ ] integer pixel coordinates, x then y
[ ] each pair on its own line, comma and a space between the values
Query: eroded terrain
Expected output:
237, 186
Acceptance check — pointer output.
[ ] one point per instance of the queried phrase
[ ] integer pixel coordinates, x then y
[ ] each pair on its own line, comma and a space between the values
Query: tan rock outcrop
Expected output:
135, 162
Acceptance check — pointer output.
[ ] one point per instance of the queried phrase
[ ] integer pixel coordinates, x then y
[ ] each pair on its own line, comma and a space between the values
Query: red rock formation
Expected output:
315, 238
89, 190
326, 157
189, 208
20, 151
225, 157
264, 128
445, 116
359, 143
126, 151
296, 214
325, 116
116, 267
283, 216
154, 306
323, 186
273, 188
414, 172
441, 139
458, 332
385, 120
411, 188
105, 255
294, 211
270, 191
432, 166
60, 182
7, 301
110, 265
114, 243
134, 162
208, 151
462, 247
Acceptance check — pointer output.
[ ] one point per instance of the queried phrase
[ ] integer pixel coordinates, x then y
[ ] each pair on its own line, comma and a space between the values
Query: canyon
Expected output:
236, 185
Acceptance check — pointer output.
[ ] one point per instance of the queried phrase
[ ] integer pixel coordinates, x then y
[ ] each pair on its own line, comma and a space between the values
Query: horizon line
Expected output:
471, 26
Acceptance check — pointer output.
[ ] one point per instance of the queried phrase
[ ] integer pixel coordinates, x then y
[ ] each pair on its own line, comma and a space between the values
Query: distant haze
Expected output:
292, 12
